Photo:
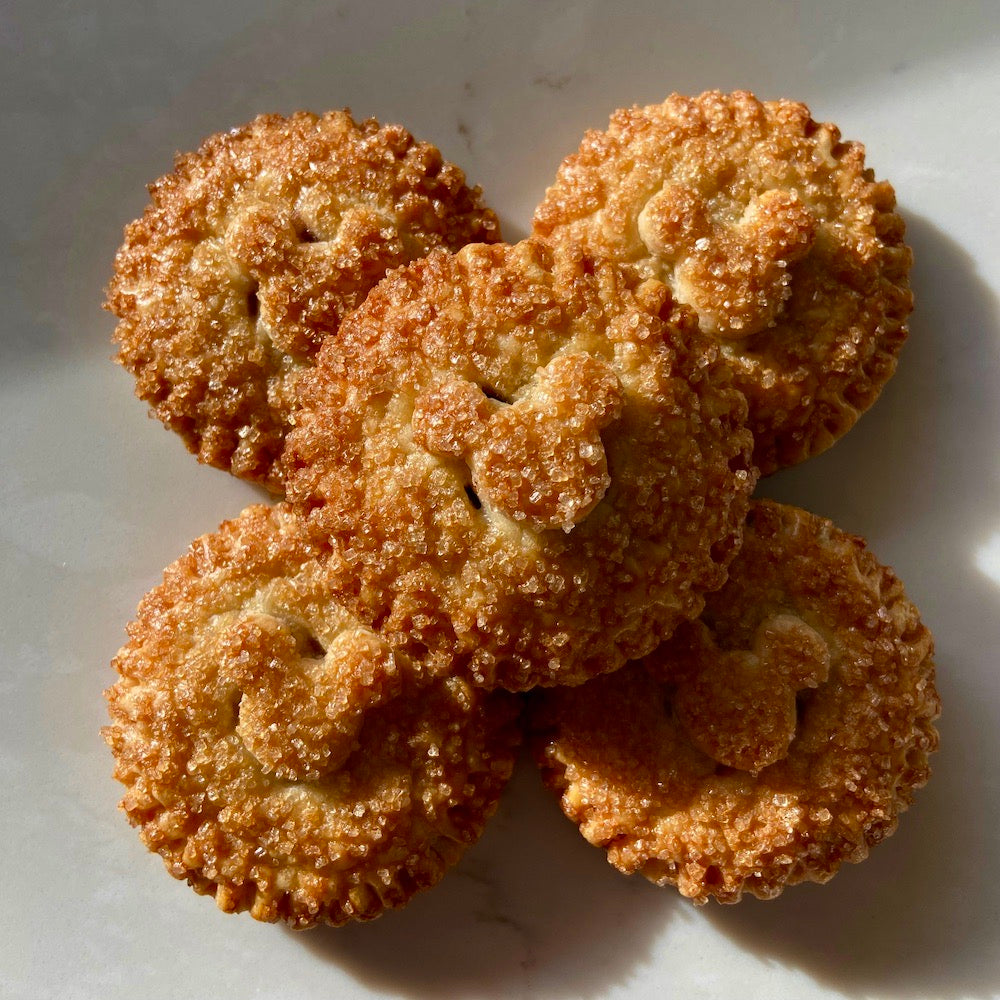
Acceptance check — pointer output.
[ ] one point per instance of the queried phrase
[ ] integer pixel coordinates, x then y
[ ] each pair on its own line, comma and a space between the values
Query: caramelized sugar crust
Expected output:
535, 459
773, 230
282, 757
777, 737
253, 250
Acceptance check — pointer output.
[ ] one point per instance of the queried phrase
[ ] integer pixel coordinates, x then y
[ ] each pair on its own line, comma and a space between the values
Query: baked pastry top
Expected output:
537, 461
253, 250
765, 744
773, 230
281, 756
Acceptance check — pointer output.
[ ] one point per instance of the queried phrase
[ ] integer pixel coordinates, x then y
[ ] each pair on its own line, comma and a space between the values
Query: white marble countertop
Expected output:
96, 499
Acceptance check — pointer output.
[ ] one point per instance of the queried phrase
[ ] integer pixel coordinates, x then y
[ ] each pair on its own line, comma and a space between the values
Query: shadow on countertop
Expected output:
532, 909
920, 477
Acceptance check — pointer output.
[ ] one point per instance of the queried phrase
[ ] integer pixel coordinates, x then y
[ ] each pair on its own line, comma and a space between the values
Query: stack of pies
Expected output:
513, 493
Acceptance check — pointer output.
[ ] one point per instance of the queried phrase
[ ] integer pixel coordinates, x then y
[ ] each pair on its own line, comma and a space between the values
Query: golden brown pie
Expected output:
773, 230
280, 755
535, 456
253, 250
765, 744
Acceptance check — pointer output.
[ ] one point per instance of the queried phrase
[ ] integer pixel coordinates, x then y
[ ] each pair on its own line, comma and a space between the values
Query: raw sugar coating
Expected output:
765, 744
253, 250
773, 230
536, 458
279, 755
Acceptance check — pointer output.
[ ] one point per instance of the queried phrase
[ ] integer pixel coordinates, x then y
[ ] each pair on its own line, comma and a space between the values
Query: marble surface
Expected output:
96, 499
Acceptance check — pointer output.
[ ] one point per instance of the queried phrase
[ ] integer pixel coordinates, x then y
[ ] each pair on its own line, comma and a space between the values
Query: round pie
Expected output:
281, 756
253, 250
773, 230
765, 744
537, 460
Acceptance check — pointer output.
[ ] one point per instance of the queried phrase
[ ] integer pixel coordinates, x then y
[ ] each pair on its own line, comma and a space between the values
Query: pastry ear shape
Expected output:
302, 708
539, 459
739, 706
543, 459
735, 274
